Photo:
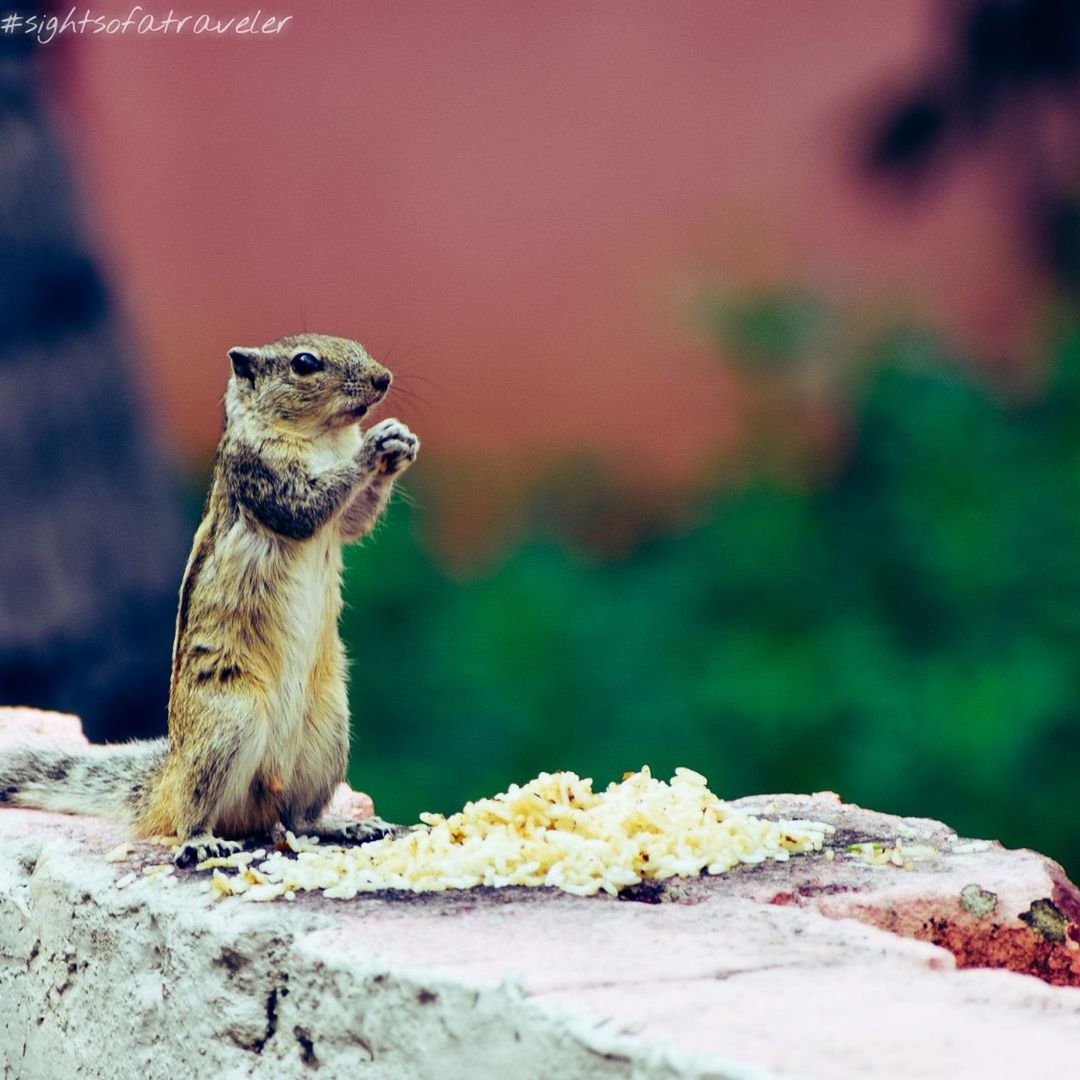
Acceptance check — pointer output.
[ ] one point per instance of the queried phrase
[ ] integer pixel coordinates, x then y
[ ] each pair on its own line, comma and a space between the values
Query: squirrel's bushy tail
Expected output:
108, 781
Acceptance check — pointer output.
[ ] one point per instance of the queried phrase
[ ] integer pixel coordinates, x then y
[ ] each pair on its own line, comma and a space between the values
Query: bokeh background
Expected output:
742, 339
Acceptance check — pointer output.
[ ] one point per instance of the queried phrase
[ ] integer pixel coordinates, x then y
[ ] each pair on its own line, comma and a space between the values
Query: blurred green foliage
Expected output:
907, 633
771, 328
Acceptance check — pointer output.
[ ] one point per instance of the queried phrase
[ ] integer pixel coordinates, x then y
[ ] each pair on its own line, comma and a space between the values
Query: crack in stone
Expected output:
714, 976
256, 1046
307, 1047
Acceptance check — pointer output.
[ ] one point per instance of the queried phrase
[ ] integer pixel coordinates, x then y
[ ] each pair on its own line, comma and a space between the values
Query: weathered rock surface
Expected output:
809, 968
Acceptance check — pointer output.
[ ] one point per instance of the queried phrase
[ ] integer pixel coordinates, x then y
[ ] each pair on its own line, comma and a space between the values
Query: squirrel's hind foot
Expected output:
199, 848
333, 831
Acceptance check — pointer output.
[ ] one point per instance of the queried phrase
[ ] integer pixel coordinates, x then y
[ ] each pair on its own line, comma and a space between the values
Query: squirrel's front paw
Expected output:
390, 447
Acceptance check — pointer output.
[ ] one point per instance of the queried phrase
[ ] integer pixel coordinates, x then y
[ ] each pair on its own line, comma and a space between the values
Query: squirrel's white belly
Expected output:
305, 594
309, 597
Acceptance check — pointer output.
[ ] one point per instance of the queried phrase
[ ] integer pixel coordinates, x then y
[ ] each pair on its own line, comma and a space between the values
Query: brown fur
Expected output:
258, 711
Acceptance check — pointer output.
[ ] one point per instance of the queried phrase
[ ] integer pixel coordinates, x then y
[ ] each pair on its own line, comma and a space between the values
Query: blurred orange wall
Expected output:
516, 202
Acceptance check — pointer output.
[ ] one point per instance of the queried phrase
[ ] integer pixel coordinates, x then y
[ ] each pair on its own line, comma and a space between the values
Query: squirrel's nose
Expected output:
381, 382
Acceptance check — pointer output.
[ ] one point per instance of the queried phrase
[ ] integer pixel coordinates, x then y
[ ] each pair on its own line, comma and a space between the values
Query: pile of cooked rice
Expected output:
554, 831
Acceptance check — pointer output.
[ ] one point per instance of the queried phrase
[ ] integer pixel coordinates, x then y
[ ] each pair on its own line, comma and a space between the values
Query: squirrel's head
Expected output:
310, 382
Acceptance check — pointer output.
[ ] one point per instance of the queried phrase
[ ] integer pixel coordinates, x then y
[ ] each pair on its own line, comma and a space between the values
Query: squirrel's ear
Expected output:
244, 362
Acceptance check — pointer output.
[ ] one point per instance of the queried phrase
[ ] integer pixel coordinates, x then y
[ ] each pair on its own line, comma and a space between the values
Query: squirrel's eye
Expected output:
305, 363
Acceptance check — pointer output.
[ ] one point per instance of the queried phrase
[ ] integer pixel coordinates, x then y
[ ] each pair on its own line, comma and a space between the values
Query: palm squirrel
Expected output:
258, 724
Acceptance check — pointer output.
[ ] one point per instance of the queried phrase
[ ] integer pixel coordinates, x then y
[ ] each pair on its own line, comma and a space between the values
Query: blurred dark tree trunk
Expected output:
92, 537
1008, 68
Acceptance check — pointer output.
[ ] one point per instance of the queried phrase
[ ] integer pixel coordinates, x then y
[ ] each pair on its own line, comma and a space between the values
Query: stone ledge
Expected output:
809, 967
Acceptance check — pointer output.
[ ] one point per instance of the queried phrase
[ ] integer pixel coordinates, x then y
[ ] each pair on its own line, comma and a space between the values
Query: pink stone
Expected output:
813, 966
988, 905
33, 727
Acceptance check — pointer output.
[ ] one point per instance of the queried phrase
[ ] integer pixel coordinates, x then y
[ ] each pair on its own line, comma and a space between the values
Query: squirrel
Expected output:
258, 720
